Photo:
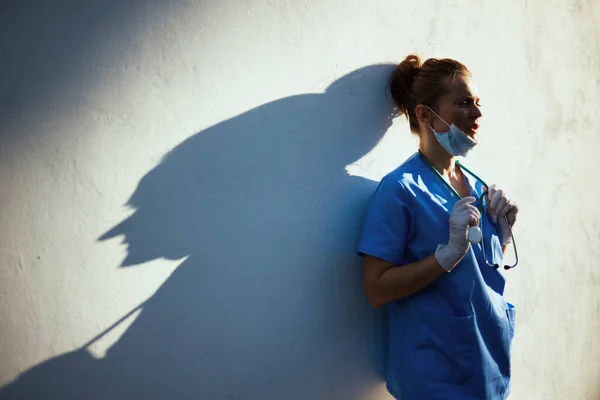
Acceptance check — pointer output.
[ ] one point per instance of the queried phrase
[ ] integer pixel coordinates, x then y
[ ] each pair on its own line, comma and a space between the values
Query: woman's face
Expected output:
459, 106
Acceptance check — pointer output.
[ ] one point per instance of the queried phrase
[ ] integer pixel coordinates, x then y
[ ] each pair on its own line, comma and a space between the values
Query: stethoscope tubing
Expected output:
480, 207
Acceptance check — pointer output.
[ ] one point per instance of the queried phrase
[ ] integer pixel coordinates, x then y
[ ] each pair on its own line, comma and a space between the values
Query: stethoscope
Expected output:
475, 232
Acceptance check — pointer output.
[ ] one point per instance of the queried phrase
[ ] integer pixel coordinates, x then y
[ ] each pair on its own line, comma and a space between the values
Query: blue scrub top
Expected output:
452, 339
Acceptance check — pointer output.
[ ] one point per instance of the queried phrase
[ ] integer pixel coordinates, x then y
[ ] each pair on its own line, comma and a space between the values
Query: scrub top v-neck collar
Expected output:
453, 194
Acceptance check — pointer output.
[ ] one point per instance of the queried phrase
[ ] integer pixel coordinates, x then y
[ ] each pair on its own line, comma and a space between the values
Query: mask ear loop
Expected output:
434, 113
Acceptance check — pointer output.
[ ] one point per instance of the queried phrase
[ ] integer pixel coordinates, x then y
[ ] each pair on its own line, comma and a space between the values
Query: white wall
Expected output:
215, 158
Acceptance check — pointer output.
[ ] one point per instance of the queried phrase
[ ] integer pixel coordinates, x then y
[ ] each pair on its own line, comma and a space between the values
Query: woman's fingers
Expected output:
463, 201
497, 198
505, 209
491, 191
470, 215
473, 217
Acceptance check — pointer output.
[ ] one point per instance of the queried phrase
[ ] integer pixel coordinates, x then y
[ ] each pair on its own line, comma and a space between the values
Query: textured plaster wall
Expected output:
182, 185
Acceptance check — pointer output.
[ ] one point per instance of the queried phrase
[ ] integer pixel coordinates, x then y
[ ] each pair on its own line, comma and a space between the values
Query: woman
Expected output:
449, 327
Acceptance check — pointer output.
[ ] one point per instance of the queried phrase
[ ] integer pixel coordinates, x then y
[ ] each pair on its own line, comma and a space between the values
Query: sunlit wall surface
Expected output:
182, 186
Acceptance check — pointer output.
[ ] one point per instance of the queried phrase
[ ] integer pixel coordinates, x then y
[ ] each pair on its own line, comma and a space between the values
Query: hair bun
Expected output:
402, 80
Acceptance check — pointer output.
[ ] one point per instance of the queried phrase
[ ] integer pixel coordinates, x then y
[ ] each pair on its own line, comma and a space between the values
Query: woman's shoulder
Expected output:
407, 173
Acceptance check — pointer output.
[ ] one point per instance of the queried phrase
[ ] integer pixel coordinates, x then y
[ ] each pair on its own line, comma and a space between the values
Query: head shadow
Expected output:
256, 171
268, 299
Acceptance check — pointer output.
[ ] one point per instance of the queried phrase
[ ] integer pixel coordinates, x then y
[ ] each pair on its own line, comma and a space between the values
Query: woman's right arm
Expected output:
385, 282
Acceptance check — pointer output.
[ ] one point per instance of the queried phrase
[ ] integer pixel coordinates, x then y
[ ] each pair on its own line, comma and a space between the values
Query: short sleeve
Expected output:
388, 222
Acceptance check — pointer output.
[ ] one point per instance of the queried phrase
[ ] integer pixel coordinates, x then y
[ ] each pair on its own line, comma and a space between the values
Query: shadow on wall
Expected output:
268, 303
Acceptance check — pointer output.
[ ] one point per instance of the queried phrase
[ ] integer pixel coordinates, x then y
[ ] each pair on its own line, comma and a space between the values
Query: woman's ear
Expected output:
422, 114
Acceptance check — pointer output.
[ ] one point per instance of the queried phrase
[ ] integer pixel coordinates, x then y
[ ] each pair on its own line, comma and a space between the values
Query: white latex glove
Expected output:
502, 210
463, 216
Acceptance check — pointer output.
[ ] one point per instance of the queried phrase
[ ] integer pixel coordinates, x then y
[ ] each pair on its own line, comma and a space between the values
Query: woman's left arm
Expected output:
505, 211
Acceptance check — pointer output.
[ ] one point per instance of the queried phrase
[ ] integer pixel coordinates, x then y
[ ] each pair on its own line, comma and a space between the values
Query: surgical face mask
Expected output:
455, 141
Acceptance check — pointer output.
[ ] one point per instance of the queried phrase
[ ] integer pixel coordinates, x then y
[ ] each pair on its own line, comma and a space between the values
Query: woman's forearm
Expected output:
401, 281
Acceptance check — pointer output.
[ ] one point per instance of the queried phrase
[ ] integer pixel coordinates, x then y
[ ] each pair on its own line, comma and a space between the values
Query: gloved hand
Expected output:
463, 216
503, 211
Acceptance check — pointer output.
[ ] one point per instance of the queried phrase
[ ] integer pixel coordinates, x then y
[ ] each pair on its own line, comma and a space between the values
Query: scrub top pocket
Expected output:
511, 313
441, 348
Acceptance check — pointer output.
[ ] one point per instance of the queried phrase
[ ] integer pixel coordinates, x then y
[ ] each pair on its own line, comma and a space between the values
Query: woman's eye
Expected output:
468, 102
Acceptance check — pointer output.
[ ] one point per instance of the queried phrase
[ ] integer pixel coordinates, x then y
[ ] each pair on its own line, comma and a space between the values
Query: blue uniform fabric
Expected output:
451, 340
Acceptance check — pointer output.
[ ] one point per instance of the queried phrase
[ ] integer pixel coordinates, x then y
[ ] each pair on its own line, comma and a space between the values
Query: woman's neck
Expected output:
441, 160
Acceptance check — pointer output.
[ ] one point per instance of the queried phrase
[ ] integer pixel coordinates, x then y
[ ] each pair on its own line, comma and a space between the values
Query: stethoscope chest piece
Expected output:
474, 234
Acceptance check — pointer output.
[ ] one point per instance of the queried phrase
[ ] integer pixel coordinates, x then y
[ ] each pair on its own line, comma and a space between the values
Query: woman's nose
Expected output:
476, 112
